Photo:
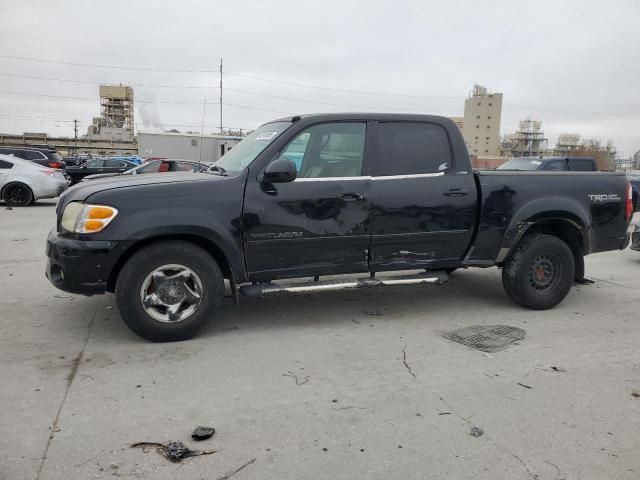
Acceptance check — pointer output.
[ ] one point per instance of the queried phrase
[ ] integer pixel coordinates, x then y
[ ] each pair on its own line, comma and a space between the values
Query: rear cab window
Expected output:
413, 149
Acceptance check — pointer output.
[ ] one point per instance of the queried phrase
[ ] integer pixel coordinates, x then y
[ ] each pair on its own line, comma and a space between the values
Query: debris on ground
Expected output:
173, 451
525, 386
486, 338
229, 475
202, 433
635, 394
109, 307
8, 208
355, 321
299, 381
476, 432
584, 281
558, 369
444, 413
373, 312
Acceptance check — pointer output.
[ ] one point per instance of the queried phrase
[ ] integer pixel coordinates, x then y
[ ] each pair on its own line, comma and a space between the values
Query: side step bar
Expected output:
260, 289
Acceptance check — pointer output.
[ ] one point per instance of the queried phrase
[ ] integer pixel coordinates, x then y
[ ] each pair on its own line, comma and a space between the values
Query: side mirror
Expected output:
280, 171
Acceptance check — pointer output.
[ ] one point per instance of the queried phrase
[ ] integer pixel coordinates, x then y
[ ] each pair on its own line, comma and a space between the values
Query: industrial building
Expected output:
567, 143
205, 148
527, 141
116, 118
113, 133
481, 123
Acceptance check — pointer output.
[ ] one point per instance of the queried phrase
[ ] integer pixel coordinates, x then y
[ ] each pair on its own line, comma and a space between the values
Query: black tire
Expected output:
450, 269
17, 195
139, 267
539, 273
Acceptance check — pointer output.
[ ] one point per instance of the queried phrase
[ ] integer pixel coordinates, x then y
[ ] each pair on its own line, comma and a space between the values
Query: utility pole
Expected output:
221, 131
75, 135
204, 113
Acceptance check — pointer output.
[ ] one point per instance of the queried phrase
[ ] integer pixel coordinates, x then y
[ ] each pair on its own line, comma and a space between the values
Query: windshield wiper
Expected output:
219, 169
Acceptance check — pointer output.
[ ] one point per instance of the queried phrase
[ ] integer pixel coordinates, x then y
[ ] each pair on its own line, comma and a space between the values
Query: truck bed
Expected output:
510, 201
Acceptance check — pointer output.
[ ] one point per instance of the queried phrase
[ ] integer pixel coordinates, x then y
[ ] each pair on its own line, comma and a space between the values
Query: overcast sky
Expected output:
575, 65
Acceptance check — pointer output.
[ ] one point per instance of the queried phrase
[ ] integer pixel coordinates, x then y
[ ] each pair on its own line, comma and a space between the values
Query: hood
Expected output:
83, 190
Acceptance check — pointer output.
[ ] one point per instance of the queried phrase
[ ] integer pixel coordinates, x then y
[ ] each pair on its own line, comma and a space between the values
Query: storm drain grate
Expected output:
487, 338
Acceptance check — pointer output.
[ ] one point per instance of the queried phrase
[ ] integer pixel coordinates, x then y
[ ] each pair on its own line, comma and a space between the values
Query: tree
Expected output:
603, 155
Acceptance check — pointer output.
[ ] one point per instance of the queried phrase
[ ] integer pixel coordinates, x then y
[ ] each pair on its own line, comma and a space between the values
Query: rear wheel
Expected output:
169, 290
539, 273
17, 195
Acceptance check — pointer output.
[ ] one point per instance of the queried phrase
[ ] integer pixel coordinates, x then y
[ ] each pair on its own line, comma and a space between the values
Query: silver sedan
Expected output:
22, 182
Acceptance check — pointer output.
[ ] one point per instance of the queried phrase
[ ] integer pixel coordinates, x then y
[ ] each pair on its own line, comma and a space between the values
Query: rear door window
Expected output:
412, 149
581, 165
95, 164
4, 165
33, 155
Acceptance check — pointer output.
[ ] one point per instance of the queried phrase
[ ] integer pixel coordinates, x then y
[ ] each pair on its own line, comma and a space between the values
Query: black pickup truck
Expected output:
330, 194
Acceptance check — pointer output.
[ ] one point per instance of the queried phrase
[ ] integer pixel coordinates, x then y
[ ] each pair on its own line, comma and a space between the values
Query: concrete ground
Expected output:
314, 387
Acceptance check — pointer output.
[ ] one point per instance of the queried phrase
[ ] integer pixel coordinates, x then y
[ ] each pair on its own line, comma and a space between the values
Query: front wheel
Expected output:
168, 291
539, 273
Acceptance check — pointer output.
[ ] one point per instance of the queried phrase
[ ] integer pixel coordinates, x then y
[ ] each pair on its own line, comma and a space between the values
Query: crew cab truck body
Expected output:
329, 194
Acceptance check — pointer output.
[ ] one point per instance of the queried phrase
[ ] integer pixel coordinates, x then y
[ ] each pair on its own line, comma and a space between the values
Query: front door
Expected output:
422, 209
319, 223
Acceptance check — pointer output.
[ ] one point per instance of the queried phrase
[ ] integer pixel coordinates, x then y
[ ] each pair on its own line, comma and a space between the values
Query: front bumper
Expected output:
78, 266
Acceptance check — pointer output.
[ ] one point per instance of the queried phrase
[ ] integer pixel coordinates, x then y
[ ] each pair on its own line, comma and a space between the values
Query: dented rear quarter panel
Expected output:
512, 202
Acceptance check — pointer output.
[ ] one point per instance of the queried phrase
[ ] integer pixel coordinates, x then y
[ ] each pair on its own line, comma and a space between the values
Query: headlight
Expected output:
81, 217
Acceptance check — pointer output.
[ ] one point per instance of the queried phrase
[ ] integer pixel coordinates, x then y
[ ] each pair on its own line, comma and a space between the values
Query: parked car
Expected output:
635, 191
635, 238
96, 166
408, 201
22, 181
570, 164
44, 156
156, 166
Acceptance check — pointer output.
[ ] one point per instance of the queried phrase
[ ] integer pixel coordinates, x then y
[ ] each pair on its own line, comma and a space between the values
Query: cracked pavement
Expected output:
313, 387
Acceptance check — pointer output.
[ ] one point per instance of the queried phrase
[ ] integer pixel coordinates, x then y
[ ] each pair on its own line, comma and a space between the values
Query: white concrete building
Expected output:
187, 146
481, 128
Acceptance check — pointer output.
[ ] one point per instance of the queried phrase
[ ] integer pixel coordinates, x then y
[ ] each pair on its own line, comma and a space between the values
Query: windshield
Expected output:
245, 152
521, 164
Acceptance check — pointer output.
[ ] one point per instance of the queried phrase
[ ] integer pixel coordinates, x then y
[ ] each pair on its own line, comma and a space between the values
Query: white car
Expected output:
22, 181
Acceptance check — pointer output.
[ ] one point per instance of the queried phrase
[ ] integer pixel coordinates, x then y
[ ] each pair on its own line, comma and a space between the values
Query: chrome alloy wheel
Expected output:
171, 293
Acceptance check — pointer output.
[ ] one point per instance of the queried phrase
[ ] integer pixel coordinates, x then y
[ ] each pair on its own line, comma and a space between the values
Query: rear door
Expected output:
422, 209
5, 172
319, 223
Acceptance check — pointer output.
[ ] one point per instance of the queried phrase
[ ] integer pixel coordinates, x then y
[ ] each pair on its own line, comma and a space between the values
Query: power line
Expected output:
87, 82
360, 92
524, 107
369, 107
94, 99
94, 65
93, 54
